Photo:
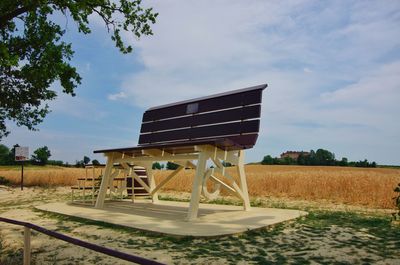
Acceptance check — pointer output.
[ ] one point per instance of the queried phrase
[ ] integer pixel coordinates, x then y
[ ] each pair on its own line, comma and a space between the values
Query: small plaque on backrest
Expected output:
192, 108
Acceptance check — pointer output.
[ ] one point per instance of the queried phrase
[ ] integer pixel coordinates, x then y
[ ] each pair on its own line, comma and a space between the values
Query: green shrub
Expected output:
396, 216
4, 181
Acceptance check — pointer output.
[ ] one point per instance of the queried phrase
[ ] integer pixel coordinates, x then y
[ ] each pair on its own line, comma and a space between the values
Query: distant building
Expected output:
293, 154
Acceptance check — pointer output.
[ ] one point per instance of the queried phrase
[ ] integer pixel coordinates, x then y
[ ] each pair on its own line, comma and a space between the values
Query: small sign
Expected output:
21, 153
192, 108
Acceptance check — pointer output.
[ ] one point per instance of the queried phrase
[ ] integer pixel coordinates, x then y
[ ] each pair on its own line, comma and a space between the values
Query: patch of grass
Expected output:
130, 241
290, 242
4, 181
320, 219
171, 198
10, 257
225, 201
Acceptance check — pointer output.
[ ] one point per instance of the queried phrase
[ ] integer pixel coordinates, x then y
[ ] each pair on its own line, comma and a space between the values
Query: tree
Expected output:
79, 163
324, 157
172, 166
4, 154
41, 155
95, 162
156, 165
11, 156
59, 163
364, 163
344, 162
86, 160
302, 159
227, 164
33, 54
267, 160
288, 161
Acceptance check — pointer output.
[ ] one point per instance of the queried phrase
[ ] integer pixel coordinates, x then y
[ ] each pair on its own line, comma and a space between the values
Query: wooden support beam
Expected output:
125, 166
215, 193
236, 187
191, 164
215, 152
219, 165
136, 160
155, 152
197, 184
141, 182
168, 178
111, 179
242, 181
104, 181
152, 181
224, 185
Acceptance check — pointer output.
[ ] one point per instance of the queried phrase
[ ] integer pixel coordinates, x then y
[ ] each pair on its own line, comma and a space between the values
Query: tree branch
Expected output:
9, 16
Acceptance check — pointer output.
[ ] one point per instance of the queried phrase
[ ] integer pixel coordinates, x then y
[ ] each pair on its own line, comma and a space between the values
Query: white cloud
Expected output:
205, 47
117, 96
307, 70
77, 107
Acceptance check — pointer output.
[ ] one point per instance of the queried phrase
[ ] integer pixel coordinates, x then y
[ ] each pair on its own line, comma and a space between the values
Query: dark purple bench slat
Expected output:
219, 130
219, 103
245, 113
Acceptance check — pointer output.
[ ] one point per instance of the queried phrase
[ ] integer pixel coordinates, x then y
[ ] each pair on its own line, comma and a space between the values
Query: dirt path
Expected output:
322, 237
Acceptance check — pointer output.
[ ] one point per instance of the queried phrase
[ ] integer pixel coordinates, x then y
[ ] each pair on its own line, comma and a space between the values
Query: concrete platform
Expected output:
168, 217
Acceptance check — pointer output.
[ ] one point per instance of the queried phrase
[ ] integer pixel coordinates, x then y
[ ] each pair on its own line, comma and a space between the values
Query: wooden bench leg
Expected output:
243, 182
152, 182
84, 194
104, 182
197, 185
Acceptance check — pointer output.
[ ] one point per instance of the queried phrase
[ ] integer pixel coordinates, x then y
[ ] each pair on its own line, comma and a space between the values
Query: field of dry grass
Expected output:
45, 176
371, 187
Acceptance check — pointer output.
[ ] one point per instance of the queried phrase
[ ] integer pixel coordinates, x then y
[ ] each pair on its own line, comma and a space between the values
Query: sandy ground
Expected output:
292, 244
17, 204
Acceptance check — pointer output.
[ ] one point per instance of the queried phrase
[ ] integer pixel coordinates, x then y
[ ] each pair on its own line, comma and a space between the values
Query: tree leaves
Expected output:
33, 55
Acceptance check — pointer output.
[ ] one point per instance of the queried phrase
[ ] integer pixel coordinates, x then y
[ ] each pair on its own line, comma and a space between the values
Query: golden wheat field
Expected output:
372, 187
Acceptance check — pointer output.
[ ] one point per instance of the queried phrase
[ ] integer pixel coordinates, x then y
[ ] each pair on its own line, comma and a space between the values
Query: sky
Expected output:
332, 69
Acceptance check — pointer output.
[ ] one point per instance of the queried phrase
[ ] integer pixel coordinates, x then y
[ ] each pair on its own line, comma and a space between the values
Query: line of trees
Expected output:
168, 166
41, 156
321, 157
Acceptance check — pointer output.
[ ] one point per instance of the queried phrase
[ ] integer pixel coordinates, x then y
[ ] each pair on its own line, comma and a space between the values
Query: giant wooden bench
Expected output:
217, 128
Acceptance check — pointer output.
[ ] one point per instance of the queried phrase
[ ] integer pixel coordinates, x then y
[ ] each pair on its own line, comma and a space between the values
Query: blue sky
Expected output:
333, 69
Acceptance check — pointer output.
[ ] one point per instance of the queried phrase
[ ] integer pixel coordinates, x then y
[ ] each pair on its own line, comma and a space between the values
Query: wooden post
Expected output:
27, 245
197, 185
104, 181
242, 181
152, 181
22, 175
84, 186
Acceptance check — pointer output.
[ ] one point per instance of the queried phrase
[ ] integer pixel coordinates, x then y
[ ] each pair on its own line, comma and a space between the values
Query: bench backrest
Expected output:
232, 115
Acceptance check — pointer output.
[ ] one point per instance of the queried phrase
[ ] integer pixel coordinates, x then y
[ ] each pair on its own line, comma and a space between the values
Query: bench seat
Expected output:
181, 147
